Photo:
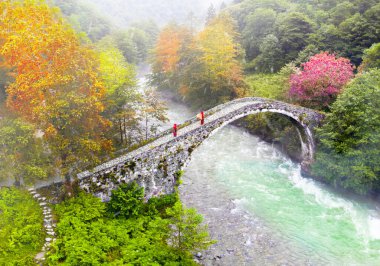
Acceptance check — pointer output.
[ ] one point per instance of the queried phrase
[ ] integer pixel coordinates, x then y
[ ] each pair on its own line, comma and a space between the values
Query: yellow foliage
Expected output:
56, 81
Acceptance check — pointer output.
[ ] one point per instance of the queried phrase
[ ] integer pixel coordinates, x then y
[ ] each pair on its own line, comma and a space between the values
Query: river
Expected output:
262, 211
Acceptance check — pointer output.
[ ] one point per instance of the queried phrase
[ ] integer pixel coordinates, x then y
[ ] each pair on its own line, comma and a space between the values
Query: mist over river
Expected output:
263, 212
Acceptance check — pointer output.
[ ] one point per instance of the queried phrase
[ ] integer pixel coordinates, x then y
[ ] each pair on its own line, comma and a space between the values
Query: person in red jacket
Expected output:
175, 130
201, 117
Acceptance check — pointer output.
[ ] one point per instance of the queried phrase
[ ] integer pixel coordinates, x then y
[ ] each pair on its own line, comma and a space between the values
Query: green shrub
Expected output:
349, 150
127, 200
88, 235
21, 227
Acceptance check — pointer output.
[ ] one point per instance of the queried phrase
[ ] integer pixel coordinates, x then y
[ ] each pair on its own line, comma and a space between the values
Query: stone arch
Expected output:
308, 149
301, 117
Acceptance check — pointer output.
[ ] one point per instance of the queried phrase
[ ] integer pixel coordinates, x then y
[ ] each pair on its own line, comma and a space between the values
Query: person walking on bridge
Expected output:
175, 130
201, 116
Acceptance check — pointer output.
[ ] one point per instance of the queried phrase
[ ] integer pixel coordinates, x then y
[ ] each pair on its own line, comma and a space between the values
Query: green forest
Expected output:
69, 100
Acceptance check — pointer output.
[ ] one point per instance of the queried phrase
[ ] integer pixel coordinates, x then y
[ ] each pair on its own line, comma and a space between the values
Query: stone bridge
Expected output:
156, 165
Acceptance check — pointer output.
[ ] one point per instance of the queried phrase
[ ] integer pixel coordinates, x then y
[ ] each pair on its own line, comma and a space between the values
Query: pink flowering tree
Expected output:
321, 80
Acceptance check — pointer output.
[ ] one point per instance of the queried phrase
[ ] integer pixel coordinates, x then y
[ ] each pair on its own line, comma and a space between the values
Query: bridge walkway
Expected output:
216, 113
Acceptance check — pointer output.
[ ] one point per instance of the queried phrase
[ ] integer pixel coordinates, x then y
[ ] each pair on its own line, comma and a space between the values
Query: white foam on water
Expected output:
367, 226
374, 227
240, 202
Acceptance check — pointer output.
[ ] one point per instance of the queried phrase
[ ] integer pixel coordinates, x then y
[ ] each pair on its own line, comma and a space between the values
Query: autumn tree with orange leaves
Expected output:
168, 56
167, 49
203, 68
56, 85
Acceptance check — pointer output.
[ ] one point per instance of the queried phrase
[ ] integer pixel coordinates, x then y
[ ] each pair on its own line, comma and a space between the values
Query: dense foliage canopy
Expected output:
349, 151
277, 32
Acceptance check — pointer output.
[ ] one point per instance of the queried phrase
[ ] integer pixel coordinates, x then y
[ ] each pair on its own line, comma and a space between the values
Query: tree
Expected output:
85, 18
5, 79
321, 80
125, 44
371, 58
348, 152
218, 53
204, 69
293, 30
211, 14
341, 12
167, 49
270, 51
141, 43
258, 25
188, 233
22, 156
360, 33
153, 111
56, 84
119, 81
170, 56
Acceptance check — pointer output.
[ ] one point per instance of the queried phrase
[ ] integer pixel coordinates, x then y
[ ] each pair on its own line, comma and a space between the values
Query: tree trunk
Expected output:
124, 129
121, 132
146, 127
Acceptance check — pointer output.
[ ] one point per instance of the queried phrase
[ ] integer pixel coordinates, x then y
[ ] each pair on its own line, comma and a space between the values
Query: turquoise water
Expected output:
331, 228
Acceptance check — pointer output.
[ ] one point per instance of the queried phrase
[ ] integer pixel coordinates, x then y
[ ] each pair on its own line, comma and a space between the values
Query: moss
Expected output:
184, 125
191, 148
178, 174
302, 117
110, 177
131, 165
93, 187
163, 165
